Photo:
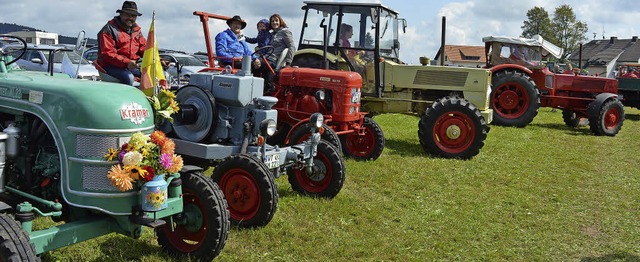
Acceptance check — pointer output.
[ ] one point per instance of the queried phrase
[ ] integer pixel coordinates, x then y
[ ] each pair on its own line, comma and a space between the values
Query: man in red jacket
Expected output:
121, 44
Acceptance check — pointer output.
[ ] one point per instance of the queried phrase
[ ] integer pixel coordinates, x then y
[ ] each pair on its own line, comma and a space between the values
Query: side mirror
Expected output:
36, 60
404, 24
80, 41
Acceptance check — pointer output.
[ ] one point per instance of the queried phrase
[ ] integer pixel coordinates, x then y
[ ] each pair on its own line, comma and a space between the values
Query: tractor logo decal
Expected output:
355, 95
134, 112
225, 85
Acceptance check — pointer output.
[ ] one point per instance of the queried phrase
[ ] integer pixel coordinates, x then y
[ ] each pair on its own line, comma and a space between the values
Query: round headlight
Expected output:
320, 95
268, 127
316, 120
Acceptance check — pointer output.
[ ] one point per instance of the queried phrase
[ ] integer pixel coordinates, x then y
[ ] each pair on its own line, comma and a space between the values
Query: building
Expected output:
37, 37
463, 55
601, 57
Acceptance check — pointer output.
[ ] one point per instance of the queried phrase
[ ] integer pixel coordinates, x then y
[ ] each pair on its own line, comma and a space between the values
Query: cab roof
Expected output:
357, 4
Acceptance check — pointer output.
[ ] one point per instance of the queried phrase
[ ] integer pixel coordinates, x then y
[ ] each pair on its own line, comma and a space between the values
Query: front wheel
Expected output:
14, 242
202, 228
249, 188
452, 128
325, 178
366, 146
608, 121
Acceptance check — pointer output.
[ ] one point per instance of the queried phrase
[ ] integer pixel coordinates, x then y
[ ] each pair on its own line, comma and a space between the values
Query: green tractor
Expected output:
453, 102
55, 133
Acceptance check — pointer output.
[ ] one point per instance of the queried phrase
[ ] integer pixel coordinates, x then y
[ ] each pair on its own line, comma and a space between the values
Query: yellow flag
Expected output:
151, 69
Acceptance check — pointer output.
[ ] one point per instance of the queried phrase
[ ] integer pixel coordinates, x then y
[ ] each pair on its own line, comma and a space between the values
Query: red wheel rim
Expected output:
184, 237
510, 100
454, 132
611, 118
360, 145
319, 181
242, 194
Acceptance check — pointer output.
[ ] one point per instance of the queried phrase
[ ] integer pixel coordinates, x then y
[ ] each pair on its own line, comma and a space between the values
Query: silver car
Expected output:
37, 58
186, 64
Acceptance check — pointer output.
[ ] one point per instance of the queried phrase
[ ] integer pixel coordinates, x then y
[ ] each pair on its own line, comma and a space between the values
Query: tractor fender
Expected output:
190, 168
4, 206
331, 57
594, 107
302, 122
510, 66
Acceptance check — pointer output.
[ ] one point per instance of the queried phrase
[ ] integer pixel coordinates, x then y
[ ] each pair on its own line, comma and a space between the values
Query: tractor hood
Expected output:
536, 40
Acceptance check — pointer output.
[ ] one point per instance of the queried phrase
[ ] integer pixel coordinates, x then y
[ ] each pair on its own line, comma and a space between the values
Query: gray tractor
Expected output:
224, 123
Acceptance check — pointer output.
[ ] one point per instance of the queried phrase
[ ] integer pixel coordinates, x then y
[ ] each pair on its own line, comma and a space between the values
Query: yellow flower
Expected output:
111, 153
135, 172
120, 178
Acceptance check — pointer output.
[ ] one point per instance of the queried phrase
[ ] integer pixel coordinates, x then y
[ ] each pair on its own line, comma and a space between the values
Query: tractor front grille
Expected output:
95, 178
94, 146
440, 78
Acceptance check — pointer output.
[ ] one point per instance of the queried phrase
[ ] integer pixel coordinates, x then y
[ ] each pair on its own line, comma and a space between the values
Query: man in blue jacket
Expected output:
231, 44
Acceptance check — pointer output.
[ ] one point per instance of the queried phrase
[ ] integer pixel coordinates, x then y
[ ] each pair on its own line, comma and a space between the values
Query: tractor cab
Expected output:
355, 35
529, 53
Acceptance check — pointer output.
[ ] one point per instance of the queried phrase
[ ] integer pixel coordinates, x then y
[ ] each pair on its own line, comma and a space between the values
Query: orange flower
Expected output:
177, 164
120, 178
169, 147
158, 137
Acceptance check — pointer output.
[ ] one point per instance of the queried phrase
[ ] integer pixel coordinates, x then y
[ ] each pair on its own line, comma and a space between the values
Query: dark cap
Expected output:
236, 18
129, 7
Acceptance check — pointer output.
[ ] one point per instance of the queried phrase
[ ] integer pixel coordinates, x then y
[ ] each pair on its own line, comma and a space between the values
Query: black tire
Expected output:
249, 188
364, 147
515, 99
14, 242
205, 236
608, 121
571, 119
328, 174
452, 128
302, 133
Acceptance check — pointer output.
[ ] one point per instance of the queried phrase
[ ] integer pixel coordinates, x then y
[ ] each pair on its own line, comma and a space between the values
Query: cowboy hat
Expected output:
129, 7
236, 18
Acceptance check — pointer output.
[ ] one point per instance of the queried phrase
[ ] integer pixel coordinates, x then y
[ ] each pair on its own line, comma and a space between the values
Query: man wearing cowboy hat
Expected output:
121, 43
231, 44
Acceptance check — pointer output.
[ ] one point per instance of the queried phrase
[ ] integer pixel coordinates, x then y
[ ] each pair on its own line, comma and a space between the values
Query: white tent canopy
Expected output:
536, 40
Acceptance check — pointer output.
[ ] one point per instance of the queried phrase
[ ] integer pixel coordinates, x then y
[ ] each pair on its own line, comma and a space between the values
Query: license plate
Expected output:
272, 161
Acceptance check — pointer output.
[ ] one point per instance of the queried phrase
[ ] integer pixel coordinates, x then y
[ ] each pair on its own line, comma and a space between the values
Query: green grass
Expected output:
545, 192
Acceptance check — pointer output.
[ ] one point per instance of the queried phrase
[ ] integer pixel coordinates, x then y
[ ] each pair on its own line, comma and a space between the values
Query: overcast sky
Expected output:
467, 21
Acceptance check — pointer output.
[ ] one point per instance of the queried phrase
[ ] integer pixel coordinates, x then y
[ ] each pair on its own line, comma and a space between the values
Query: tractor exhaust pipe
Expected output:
444, 32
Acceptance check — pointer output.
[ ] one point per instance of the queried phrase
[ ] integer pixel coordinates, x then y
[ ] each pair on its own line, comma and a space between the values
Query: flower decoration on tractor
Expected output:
164, 105
141, 159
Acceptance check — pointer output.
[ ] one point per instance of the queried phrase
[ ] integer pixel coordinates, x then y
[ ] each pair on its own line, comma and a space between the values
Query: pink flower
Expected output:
165, 161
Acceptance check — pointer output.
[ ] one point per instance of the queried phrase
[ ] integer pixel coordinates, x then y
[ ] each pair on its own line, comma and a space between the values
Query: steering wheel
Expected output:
268, 50
8, 48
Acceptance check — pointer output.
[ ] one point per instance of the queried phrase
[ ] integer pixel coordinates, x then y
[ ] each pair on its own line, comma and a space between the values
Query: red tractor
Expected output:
304, 91
521, 84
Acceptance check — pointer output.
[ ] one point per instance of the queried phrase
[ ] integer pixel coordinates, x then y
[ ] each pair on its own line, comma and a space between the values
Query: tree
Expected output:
563, 29
568, 31
538, 23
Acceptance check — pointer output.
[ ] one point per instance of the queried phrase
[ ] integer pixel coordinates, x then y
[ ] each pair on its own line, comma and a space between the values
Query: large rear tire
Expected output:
367, 146
302, 133
202, 228
514, 98
14, 242
452, 128
249, 188
608, 121
327, 176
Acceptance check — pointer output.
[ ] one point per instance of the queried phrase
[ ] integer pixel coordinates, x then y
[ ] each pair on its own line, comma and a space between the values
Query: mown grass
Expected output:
541, 193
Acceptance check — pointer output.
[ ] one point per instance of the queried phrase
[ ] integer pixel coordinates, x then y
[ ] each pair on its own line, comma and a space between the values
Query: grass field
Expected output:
541, 193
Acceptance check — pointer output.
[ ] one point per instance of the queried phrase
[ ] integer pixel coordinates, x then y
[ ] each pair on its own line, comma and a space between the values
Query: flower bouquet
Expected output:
164, 105
142, 158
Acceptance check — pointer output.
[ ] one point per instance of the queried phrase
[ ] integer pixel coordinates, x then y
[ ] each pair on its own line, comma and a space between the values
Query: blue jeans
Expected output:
122, 74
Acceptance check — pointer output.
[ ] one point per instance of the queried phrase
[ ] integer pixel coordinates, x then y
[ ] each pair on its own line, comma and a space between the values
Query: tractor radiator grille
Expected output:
94, 146
95, 178
440, 78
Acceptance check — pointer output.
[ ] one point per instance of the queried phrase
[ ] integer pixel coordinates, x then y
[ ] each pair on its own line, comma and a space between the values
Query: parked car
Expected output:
186, 64
91, 54
37, 57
